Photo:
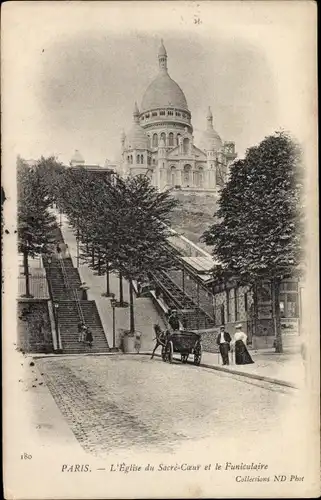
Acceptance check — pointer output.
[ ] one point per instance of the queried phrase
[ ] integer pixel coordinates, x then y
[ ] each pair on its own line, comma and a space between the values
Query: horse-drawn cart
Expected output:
185, 343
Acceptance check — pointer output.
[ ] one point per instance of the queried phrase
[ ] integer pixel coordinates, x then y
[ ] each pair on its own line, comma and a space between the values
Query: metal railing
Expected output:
71, 290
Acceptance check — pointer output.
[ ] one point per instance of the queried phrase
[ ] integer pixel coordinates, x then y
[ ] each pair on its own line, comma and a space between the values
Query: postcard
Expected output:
160, 250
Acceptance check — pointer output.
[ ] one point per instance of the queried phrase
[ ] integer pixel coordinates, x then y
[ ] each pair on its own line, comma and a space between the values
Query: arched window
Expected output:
163, 137
148, 160
187, 175
131, 158
149, 141
178, 136
155, 141
141, 158
138, 159
173, 176
185, 145
171, 139
128, 158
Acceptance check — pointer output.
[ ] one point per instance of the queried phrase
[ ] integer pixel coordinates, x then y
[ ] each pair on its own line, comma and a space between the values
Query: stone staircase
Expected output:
64, 285
193, 317
59, 289
68, 322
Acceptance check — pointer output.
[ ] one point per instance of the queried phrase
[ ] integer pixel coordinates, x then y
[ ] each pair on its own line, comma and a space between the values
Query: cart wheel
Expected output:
197, 354
184, 358
169, 351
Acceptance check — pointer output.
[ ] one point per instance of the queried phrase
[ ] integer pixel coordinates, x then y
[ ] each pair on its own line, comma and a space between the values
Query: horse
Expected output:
160, 338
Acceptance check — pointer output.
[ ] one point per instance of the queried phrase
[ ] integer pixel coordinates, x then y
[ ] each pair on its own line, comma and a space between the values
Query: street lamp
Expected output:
113, 303
56, 315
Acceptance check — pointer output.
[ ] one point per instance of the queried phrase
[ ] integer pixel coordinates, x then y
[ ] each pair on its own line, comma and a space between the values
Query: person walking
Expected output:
58, 250
159, 337
83, 291
242, 355
223, 341
89, 337
80, 332
138, 342
173, 320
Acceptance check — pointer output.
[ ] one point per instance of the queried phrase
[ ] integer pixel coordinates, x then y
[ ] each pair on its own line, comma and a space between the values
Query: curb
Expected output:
251, 375
248, 375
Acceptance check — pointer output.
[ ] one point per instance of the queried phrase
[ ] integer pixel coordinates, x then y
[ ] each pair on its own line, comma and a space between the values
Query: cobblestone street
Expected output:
118, 402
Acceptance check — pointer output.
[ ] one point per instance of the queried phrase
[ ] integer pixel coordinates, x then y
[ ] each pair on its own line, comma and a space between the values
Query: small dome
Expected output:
163, 92
211, 141
77, 158
136, 138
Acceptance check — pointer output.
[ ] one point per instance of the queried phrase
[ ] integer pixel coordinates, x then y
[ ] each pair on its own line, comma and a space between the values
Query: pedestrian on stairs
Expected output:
82, 330
58, 249
83, 288
89, 337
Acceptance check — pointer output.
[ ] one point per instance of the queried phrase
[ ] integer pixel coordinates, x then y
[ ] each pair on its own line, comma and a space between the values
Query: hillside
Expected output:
193, 216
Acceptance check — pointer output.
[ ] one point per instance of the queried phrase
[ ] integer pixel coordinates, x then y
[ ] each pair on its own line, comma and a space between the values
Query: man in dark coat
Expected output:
173, 320
223, 341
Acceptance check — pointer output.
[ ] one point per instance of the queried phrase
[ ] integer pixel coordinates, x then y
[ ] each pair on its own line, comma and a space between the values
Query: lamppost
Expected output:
113, 303
57, 317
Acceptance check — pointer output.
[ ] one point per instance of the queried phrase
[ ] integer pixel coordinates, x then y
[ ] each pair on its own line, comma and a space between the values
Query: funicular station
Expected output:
204, 304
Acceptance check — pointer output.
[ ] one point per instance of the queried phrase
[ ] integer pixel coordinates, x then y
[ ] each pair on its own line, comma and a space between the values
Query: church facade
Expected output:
160, 143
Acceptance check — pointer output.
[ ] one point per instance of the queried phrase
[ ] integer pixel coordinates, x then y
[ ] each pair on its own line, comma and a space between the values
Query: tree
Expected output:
35, 223
258, 231
140, 231
123, 222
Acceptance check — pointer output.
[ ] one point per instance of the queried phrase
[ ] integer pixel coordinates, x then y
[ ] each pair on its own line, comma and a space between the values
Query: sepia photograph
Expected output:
160, 288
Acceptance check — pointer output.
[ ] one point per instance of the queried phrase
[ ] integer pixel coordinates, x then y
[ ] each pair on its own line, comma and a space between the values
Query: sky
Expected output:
73, 70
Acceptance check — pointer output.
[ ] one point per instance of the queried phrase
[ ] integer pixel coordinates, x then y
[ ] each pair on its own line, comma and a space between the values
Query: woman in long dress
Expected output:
242, 355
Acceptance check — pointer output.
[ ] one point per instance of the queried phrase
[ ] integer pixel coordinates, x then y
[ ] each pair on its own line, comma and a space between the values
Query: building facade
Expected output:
160, 143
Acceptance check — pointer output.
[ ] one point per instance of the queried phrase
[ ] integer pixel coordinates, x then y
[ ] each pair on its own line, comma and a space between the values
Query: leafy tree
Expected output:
258, 231
123, 222
35, 223
140, 231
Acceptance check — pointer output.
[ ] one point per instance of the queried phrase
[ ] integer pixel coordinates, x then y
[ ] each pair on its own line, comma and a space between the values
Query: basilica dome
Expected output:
163, 92
77, 158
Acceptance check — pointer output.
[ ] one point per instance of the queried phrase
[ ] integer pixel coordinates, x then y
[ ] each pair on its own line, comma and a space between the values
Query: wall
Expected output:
33, 328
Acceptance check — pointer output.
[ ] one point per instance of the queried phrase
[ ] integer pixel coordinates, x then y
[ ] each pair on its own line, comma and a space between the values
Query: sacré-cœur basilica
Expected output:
160, 142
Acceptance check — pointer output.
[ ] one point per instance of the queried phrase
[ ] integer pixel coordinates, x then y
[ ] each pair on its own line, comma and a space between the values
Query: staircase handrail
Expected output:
177, 302
185, 293
52, 300
72, 290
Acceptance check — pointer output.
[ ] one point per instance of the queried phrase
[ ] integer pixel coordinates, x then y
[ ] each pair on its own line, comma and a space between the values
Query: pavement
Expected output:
121, 402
